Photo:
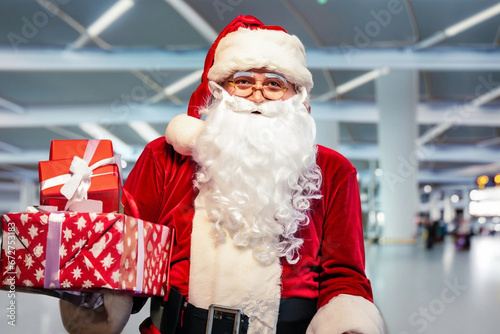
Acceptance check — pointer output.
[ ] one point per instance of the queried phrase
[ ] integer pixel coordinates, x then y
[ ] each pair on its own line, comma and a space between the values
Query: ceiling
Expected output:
121, 69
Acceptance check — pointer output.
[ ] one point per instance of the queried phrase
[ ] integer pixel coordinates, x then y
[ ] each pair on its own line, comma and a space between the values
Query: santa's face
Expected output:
261, 86
258, 170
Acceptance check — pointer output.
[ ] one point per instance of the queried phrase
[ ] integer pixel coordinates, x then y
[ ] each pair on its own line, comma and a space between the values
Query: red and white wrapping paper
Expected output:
85, 251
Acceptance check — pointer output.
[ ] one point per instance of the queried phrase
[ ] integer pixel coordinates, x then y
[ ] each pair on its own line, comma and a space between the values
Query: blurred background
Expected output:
409, 91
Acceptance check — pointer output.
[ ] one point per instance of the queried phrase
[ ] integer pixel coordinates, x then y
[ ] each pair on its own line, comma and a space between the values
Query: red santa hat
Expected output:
246, 43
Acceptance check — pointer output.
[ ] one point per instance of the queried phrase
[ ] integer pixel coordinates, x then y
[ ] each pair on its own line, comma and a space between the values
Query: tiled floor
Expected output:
440, 290
419, 291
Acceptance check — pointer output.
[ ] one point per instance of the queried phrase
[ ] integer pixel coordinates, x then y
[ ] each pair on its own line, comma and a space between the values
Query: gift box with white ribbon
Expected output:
85, 252
79, 170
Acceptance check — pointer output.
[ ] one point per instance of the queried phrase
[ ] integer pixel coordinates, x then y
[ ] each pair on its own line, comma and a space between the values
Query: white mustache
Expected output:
242, 105
268, 109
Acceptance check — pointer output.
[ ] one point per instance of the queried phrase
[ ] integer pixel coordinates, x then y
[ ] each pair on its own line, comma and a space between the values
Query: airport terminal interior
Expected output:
408, 91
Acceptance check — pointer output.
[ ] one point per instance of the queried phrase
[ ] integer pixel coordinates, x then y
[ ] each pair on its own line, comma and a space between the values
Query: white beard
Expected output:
258, 172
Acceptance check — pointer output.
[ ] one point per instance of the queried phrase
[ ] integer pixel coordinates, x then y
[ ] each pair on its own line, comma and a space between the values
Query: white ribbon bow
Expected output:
79, 183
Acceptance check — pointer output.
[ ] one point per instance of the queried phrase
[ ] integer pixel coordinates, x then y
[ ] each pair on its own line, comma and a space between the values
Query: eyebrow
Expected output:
268, 75
243, 74
276, 76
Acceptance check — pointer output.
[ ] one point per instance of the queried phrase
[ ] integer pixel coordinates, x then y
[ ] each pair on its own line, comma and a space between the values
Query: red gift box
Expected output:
77, 170
104, 186
65, 149
85, 251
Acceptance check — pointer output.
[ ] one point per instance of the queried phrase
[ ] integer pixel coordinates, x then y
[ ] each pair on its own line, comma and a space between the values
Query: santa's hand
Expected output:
111, 317
347, 314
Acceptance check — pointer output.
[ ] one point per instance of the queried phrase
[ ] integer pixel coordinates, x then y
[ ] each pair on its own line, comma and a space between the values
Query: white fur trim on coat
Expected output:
182, 132
224, 274
274, 50
347, 313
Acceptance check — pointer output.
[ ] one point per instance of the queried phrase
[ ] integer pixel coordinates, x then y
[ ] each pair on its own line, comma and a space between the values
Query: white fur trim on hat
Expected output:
347, 313
274, 50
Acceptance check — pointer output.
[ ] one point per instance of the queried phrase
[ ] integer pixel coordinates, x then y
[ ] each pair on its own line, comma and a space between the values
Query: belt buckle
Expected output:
218, 311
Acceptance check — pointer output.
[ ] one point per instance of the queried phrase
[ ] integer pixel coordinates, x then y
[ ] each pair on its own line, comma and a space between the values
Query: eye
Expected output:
275, 84
242, 82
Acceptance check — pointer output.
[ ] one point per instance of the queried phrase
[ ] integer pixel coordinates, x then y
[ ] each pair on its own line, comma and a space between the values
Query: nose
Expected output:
257, 95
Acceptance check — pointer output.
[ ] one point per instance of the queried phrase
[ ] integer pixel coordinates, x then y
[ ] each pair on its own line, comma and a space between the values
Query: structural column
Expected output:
397, 97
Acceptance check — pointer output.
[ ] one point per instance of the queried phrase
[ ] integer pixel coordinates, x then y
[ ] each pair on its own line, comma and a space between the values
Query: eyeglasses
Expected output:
273, 87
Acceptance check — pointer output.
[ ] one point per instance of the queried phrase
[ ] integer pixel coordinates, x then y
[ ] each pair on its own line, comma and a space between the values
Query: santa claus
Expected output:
268, 224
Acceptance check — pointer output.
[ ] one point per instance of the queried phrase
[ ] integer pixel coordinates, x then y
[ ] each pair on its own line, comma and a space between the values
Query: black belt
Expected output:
216, 320
177, 316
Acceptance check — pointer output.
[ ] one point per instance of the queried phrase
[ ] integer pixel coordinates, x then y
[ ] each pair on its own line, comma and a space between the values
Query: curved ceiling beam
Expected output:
350, 112
465, 109
91, 60
119, 8
198, 22
459, 27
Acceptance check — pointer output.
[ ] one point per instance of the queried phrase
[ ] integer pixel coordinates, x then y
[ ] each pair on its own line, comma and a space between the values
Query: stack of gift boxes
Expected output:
76, 239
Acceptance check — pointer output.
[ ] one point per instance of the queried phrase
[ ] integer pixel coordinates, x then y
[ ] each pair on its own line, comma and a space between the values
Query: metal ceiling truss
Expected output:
11, 106
317, 40
459, 27
198, 22
18, 172
365, 152
464, 111
54, 9
92, 33
6, 147
179, 85
347, 111
57, 60
377, 62
438, 37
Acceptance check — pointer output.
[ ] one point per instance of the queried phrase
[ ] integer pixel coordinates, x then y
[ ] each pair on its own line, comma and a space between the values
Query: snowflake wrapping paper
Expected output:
85, 251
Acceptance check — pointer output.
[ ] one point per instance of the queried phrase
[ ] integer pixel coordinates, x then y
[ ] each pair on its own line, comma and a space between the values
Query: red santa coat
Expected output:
332, 256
